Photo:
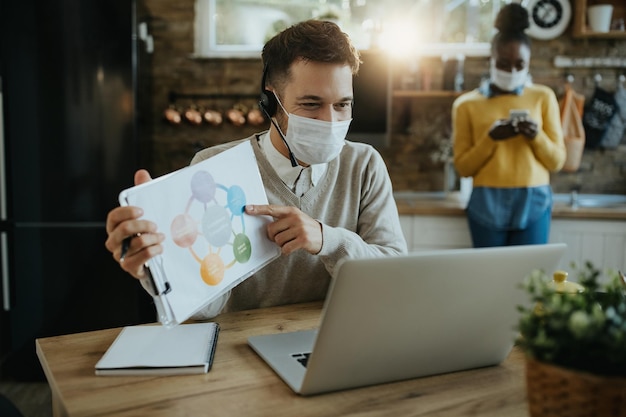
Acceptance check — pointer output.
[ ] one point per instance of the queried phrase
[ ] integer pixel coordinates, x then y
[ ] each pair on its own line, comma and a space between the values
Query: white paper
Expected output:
211, 245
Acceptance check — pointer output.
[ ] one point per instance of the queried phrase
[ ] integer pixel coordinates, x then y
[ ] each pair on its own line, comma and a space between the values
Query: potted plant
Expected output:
575, 345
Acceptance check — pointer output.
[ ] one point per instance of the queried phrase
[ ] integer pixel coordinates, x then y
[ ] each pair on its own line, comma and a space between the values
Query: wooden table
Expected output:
241, 384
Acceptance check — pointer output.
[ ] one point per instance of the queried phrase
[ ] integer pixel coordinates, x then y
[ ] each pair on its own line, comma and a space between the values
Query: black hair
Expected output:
511, 22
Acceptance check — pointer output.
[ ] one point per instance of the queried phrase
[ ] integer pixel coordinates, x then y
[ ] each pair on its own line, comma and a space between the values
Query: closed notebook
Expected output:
159, 350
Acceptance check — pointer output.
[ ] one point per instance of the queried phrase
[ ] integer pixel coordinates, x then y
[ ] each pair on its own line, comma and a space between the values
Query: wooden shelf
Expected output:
580, 28
426, 94
613, 34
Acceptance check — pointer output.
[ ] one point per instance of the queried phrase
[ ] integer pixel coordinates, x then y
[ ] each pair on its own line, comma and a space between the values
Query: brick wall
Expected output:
418, 124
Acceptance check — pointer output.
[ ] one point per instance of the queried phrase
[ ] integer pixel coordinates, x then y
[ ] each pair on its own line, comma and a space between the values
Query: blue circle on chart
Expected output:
236, 198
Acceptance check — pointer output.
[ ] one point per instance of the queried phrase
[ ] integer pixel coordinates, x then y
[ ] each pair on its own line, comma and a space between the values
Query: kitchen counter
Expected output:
450, 204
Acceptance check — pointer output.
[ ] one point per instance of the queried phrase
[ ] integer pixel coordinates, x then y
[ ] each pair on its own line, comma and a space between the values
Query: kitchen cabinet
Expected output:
435, 232
580, 28
602, 242
421, 90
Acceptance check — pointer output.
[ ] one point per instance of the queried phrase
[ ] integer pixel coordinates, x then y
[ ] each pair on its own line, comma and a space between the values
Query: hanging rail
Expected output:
175, 96
561, 61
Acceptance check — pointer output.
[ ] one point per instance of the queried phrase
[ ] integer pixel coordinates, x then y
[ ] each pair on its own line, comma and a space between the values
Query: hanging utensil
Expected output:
172, 115
236, 116
255, 117
193, 116
213, 117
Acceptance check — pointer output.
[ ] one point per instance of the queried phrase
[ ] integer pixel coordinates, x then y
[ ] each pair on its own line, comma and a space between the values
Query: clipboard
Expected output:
211, 244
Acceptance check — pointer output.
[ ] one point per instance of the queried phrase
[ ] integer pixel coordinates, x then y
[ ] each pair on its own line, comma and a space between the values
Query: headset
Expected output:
267, 102
269, 105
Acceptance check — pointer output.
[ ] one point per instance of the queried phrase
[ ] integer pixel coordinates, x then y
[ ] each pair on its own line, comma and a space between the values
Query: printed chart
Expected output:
216, 227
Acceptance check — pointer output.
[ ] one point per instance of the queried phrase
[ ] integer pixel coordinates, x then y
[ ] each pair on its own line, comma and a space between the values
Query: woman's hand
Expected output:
528, 128
502, 129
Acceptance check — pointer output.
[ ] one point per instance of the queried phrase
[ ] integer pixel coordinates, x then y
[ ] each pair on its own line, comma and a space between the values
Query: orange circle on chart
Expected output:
212, 269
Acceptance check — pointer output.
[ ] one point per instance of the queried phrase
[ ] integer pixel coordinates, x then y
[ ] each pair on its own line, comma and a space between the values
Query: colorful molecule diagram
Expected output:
216, 227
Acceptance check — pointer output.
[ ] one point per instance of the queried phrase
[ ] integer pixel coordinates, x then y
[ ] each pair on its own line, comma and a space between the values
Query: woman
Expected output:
509, 158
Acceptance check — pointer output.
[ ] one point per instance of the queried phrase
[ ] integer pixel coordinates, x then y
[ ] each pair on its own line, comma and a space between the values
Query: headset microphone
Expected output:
268, 105
292, 158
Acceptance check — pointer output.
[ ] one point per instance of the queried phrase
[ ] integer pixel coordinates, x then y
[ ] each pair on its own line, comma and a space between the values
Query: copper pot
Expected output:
255, 117
236, 116
172, 115
213, 117
193, 116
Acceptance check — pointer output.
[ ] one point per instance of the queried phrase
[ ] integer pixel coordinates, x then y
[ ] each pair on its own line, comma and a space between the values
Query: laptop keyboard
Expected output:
303, 358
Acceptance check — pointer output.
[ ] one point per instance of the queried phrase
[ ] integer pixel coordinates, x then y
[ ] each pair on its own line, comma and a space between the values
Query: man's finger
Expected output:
268, 210
121, 214
142, 176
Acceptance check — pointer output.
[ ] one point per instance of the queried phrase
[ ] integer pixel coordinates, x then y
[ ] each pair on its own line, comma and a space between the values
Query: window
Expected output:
239, 28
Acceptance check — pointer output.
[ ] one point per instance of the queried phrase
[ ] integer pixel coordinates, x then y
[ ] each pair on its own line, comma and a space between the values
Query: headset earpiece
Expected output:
267, 100
269, 104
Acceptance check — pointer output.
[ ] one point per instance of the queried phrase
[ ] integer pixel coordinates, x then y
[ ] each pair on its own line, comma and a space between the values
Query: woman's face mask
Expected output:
315, 141
508, 81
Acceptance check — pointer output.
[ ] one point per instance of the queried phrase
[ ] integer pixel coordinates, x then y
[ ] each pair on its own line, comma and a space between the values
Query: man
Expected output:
330, 199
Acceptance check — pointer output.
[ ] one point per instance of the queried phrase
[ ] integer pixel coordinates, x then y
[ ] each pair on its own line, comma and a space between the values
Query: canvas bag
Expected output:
573, 131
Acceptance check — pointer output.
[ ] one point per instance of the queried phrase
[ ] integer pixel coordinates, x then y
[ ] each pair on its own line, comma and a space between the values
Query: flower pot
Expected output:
554, 391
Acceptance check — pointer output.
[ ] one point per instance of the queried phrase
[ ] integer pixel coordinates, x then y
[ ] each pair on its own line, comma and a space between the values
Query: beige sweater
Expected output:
354, 203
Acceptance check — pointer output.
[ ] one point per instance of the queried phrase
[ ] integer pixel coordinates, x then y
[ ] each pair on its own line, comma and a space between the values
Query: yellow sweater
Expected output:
513, 162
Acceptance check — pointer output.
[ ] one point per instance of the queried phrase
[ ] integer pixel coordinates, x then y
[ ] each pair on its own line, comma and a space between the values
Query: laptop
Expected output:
395, 318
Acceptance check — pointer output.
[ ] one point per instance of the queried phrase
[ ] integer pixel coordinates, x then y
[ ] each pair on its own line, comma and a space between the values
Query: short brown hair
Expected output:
311, 40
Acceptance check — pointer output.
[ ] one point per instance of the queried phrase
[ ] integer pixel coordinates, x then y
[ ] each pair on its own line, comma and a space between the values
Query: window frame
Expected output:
206, 46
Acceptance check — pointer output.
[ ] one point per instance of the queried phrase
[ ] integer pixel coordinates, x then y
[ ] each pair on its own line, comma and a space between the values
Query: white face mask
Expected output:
315, 141
508, 81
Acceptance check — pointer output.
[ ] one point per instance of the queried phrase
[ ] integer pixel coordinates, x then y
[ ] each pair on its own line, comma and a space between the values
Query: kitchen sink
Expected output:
590, 200
420, 195
560, 199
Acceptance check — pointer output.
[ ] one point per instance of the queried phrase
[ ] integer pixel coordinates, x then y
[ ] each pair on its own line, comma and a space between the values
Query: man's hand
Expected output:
144, 240
291, 228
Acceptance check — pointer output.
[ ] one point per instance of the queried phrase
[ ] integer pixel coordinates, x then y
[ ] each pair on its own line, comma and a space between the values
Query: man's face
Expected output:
318, 91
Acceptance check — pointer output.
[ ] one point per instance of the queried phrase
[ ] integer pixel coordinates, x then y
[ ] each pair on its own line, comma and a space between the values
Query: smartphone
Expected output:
518, 114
